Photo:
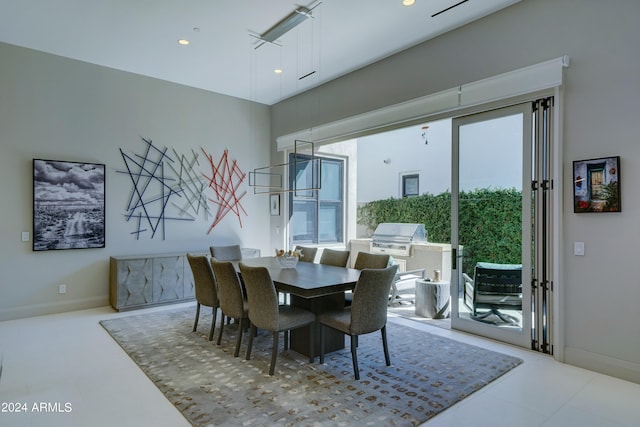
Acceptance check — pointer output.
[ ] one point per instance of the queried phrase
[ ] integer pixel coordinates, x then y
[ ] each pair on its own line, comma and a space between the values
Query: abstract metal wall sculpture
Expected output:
151, 190
225, 179
171, 188
192, 185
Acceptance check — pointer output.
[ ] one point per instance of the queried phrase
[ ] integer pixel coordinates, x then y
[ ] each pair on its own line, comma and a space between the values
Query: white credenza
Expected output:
430, 256
147, 280
140, 281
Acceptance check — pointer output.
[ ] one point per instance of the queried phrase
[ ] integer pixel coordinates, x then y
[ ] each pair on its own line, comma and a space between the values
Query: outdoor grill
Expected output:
397, 238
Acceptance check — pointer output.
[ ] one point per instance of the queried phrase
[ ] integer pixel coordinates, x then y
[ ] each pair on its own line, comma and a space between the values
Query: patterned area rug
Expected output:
211, 387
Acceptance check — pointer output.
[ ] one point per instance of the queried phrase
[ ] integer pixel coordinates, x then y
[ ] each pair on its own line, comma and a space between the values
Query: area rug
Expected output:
212, 388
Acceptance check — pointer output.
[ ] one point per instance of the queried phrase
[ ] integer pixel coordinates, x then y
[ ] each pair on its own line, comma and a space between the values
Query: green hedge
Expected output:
490, 222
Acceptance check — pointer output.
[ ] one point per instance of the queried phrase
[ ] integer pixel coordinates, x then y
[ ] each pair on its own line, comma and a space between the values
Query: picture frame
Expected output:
68, 205
274, 204
596, 185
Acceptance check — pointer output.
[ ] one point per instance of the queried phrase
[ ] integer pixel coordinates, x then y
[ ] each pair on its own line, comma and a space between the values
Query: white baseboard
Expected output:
607, 365
52, 308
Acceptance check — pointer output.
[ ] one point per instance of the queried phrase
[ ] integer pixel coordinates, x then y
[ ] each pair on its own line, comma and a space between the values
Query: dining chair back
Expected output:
265, 312
233, 303
308, 253
367, 260
367, 313
370, 297
334, 257
205, 288
226, 253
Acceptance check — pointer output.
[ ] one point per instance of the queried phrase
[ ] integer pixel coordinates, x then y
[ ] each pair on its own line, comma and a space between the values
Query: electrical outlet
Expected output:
25, 236
62, 289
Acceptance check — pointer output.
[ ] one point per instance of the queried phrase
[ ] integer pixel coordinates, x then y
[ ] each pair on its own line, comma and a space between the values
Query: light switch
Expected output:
25, 236
578, 248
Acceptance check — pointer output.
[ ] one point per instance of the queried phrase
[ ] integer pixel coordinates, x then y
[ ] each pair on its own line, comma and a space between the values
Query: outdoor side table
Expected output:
432, 299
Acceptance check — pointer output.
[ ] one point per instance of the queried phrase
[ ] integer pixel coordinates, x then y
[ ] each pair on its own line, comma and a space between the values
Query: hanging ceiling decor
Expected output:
295, 61
424, 129
287, 55
287, 24
307, 167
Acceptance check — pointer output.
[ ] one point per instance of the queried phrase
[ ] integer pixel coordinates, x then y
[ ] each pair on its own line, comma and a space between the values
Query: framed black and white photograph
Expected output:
274, 203
596, 185
68, 205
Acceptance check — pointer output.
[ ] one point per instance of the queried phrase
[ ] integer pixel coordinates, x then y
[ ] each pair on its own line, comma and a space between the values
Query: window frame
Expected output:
313, 198
403, 184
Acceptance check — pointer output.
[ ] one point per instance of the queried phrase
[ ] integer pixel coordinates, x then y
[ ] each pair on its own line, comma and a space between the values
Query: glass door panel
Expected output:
491, 224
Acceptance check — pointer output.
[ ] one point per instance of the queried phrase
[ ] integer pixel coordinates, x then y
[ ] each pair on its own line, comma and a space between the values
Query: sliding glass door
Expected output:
492, 224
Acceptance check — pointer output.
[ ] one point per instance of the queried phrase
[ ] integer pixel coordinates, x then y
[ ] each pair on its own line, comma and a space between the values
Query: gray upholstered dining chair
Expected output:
226, 253
265, 312
205, 287
334, 257
367, 313
233, 303
308, 253
367, 260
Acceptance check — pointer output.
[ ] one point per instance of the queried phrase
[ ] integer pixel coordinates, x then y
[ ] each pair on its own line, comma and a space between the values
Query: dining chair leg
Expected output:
274, 352
239, 338
387, 359
213, 322
195, 324
354, 356
322, 328
252, 332
286, 340
221, 329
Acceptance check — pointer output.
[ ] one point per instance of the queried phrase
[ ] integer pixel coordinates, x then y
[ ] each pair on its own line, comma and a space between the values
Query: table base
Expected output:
334, 340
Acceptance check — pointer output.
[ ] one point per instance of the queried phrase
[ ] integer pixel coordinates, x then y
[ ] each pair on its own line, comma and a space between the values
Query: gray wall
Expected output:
602, 295
61, 109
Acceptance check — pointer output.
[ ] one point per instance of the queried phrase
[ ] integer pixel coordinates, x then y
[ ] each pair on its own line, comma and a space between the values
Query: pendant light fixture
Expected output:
271, 179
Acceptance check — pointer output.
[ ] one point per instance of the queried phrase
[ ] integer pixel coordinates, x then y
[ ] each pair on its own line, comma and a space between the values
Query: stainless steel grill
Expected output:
397, 238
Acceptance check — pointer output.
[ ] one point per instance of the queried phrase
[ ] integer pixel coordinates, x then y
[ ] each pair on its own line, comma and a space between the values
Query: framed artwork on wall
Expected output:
596, 185
68, 205
274, 203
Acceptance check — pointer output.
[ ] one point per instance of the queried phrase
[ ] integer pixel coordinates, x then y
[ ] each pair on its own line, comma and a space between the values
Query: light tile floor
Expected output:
70, 364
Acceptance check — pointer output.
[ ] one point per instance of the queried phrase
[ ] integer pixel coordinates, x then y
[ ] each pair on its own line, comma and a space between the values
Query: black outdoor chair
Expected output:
495, 287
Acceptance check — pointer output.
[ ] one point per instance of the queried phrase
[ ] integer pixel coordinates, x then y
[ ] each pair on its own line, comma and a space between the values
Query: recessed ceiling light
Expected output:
408, 2
278, 71
183, 42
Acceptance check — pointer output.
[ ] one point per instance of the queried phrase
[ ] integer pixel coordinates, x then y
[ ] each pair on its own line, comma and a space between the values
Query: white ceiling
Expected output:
140, 36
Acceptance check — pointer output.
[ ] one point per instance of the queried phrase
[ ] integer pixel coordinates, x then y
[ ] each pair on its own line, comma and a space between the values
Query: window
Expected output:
316, 216
410, 185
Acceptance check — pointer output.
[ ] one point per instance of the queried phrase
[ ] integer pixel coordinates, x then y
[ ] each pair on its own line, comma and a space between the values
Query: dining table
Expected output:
314, 287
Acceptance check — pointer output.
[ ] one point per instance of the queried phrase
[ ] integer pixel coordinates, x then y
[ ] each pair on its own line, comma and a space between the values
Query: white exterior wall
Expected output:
385, 157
